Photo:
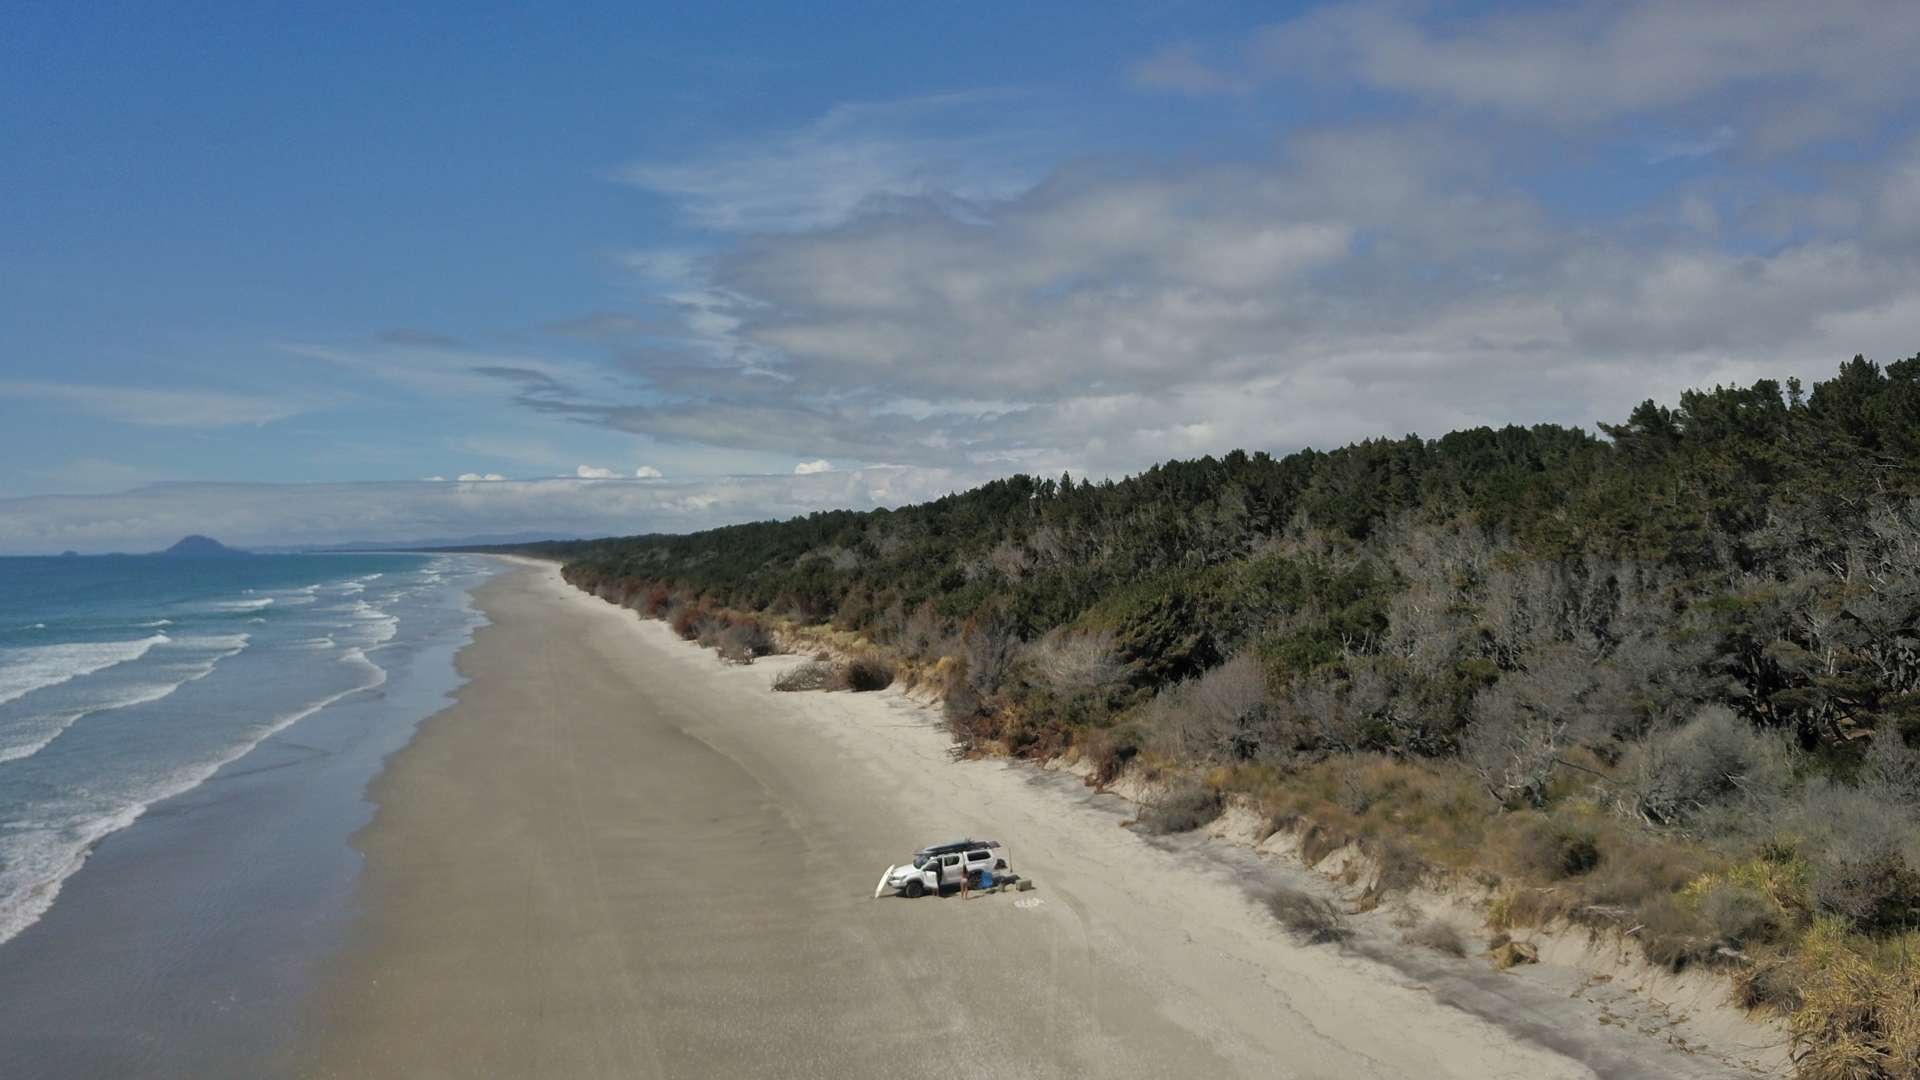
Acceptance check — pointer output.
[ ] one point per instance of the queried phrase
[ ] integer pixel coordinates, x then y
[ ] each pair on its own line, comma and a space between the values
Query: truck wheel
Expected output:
915, 889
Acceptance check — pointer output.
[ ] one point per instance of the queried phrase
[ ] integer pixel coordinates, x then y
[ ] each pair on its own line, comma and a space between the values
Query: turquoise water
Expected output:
184, 744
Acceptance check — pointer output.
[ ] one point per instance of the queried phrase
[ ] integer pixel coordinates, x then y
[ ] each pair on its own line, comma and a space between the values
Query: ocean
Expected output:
184, 749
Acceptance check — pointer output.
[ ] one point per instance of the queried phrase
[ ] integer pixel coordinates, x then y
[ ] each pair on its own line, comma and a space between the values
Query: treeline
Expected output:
1703, 626
1753, 547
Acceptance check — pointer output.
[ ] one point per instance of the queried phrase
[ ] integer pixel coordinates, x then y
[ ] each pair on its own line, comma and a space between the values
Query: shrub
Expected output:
861, 674
1739, 915
965, 711
685, 621
992, 651
1224, 714
1865, 857
744, 640
1672, 934
1637, 871
811, 675
1440, 936
1553, 850
1713, 760
1892, 768
1069, 663
1186, 808
1312, 920
708, 628
1512, 748
1106, 750
654, 600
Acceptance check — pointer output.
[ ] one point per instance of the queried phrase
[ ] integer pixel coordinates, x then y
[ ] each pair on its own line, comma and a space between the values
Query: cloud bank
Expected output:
275, 514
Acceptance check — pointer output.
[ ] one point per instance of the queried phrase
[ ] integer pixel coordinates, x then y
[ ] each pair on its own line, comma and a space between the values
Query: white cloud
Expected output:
477, 478
851, 158
808, 468
1369, 281
433, 479
594, 472
646, 472
456, 373
156, 408
1801, 68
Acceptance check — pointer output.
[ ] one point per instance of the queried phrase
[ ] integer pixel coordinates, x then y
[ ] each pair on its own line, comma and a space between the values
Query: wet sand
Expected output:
615, 856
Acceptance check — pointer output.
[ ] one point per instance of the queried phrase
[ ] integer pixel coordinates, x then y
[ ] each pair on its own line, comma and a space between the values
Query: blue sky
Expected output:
266, 272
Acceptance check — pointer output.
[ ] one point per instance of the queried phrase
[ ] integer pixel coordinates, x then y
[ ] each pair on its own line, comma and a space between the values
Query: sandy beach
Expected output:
614, 856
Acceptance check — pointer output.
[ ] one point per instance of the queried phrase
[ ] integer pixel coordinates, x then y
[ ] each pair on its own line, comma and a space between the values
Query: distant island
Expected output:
200, 547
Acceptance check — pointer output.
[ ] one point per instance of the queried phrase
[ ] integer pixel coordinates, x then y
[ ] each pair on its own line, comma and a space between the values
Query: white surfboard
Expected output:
882, 887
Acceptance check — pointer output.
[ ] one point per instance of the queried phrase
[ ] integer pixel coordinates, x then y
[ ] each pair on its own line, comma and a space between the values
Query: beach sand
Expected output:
615, 856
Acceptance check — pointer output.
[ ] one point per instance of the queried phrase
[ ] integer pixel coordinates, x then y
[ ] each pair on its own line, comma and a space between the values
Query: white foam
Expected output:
379, 626
31, 879
40, 731
22, 671
154, 623
223, 643
356, 586
243, 605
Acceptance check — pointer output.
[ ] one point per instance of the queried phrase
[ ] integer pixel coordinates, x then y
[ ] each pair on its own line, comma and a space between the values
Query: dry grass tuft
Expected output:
1311, 920
812, 675
1552, 849
1860, 1006
1767, 982
1440, 936
1187, 807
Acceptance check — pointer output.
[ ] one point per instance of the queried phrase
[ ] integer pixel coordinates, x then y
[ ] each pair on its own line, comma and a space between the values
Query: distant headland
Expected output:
200, 547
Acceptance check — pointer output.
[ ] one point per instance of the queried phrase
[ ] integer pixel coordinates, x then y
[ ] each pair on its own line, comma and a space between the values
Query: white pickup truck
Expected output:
944, 866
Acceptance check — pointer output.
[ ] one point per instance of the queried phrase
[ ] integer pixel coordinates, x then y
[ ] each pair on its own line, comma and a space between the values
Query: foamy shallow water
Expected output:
184, 747
158, 684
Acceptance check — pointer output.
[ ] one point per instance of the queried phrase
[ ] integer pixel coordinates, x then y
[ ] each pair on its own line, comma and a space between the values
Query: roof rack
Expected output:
955, 845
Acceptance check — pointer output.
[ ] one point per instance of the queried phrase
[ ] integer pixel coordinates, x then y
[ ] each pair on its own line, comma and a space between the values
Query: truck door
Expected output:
951, 871
978, 862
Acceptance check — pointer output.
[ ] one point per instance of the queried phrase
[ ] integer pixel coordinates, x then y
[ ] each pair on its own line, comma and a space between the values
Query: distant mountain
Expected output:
200, 547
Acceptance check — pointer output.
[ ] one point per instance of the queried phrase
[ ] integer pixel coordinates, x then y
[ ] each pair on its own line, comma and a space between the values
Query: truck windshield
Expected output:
920, 862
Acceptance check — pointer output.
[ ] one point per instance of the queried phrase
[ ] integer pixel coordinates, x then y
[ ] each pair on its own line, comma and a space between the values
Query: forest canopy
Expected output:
1751, 547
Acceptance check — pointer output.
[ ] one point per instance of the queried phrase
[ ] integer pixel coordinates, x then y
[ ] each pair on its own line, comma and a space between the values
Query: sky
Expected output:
342, 272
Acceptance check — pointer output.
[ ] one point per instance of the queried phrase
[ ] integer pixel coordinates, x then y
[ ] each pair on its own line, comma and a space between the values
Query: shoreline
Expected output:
185, 941
613, 855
